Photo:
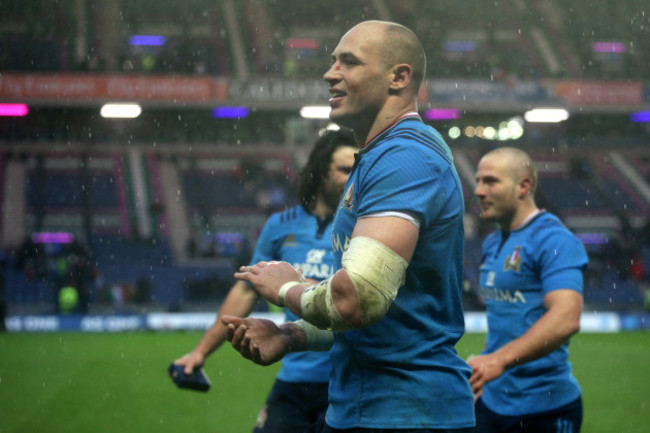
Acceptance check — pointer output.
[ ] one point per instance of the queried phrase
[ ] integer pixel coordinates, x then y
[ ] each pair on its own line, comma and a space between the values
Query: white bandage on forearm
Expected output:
317, 306
282, 293
317, 339
376, 272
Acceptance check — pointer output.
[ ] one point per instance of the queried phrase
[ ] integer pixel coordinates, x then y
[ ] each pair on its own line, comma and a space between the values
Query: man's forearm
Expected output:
544, 337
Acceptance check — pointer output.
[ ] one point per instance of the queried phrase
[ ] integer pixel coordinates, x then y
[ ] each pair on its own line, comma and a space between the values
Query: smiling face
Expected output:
506, 180
358, 77
496, 190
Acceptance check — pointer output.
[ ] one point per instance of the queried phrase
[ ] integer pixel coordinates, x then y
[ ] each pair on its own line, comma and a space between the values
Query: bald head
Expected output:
518, 164
399, 45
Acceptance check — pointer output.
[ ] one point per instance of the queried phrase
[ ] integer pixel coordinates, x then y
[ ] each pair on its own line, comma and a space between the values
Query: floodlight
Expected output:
546, 115
120, 111
315, 112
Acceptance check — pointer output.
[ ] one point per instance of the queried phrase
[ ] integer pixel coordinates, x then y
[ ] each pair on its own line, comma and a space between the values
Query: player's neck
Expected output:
387, 116
322, 209
523, 216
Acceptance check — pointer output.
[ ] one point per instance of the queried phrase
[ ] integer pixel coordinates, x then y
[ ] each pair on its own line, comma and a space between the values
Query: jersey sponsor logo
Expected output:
501, 295
513, 261
337, 245
317, 271
315, 256
347, 200
313, 267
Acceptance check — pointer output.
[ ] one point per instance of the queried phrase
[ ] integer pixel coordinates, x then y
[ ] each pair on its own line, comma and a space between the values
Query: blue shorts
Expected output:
321, 427
565, 419
292, 407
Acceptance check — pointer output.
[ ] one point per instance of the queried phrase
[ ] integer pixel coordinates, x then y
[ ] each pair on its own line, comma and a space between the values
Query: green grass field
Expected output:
84, 382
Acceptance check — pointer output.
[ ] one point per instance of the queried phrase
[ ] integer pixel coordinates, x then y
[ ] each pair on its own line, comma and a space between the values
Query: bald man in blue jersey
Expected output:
299, 235
531, 279
392, 310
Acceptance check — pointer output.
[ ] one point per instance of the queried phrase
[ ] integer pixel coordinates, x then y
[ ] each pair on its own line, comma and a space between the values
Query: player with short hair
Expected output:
299, 235
393, 308
531, 279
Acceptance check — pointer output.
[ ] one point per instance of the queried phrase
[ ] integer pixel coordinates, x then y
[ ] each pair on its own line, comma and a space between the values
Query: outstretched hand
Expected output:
268, 277
259, 340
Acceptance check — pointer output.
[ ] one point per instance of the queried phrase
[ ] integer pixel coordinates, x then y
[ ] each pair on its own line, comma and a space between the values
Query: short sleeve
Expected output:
266, 247
562, 261
414, 180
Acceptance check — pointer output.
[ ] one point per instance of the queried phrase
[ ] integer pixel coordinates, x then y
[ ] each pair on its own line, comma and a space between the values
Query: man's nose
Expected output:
478, 190
329, 75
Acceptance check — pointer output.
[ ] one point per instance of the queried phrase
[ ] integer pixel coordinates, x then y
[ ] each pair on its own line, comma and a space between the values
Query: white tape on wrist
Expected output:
282, 293
316, 339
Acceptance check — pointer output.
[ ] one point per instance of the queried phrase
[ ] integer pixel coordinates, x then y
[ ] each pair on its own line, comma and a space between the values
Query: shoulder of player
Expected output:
420, 142
548, 232
288, 216
547, 224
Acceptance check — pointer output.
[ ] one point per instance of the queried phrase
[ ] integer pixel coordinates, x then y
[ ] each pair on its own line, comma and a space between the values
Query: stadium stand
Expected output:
223, 218
169, 202
526, 40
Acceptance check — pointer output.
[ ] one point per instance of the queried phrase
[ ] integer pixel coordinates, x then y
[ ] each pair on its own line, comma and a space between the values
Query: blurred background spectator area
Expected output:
153, 212
505, 38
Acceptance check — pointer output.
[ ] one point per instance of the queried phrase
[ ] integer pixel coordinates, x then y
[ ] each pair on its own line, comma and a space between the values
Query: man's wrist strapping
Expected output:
282, 293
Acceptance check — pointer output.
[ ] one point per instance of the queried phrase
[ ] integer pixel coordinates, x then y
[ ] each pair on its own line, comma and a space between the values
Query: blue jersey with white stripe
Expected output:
403, 371
517, 269
303, 240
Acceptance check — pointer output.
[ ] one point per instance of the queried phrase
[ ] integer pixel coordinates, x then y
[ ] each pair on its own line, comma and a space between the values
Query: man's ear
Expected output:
402, 74
524, 186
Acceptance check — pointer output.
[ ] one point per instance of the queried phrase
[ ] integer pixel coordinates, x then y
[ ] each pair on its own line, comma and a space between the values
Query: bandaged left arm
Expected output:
376, 272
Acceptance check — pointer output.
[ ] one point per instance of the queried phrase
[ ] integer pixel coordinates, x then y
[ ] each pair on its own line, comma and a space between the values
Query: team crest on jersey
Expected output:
513, 261
346, 202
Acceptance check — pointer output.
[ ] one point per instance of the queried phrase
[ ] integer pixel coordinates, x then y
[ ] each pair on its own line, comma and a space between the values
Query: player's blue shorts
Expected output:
565, 419
292, 407
321, 427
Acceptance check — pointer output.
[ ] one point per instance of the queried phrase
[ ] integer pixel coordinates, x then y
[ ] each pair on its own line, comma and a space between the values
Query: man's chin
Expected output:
335, 116
487, 217
338, 116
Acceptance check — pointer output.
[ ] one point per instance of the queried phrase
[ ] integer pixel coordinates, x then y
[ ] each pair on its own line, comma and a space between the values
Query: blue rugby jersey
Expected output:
303, 240
403, 371
517, 269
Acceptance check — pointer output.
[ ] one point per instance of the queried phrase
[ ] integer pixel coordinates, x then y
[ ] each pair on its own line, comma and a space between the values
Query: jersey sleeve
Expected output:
409, 179
266, 248
562, 261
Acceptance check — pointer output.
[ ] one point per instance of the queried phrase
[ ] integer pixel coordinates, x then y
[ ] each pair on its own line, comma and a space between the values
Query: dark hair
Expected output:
314, 173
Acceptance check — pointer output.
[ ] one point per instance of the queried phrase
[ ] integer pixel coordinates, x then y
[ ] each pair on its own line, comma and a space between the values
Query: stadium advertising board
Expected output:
474, 322
600, 93
66, 89
484, 91
32, 87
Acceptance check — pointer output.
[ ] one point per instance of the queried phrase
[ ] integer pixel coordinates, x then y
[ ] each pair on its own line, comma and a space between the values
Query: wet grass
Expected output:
613, 372
84, 382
